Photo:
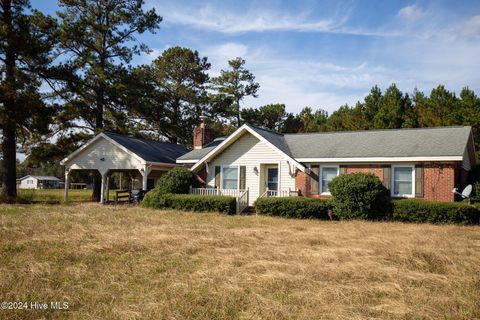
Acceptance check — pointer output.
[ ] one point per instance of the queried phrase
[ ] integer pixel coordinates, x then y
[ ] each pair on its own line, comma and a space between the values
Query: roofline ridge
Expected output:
375, 130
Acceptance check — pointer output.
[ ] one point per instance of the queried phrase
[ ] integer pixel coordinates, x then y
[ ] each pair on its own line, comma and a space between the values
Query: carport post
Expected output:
67, 180
102, 190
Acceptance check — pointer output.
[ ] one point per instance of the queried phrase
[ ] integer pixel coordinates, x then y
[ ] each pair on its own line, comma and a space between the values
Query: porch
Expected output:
241, 195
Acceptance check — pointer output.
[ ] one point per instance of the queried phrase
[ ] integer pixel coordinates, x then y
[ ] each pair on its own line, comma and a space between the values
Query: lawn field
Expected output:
56, 195
126, 262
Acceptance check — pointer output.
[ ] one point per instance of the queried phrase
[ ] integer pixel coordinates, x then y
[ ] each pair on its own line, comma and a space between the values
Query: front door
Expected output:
272, 179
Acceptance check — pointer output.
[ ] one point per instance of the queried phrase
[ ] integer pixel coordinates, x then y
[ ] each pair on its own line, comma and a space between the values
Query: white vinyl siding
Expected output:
250, 152
403, 181
113, 158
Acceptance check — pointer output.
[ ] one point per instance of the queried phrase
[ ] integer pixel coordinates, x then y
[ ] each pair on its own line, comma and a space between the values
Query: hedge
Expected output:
177, 180
189, 202
415, 210
359, 195
294, 207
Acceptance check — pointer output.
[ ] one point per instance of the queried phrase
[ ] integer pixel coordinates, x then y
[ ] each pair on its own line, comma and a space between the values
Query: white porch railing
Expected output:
242, 201
240, 195
279, 193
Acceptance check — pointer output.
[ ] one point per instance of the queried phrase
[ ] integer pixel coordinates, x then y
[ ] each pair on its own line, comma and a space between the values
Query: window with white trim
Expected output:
230, 177
403, 181
327, 173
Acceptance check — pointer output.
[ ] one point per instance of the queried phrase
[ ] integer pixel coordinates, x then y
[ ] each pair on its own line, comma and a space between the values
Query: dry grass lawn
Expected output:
134, 263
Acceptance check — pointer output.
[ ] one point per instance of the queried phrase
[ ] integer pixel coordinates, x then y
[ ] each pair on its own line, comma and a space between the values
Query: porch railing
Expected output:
241, 196
279, 193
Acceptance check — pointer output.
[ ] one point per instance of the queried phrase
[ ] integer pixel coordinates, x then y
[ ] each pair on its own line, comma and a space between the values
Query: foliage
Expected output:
416, 210
359, 195
177, 180
189, 202
100, 36
171, 95
270, 116
234, 85
27, 40
294, 207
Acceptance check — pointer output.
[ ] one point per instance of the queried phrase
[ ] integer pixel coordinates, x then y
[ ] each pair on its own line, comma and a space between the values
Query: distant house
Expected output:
107, 152
39, 182
412, 163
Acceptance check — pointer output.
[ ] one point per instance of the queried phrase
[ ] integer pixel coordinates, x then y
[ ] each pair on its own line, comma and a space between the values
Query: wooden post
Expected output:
108, 190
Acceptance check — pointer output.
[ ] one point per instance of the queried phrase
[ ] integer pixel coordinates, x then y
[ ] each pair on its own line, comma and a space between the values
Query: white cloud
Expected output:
411, 13
230, 22
472, 26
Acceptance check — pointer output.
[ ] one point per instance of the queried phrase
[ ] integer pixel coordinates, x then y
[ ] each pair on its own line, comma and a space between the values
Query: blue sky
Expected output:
326, 53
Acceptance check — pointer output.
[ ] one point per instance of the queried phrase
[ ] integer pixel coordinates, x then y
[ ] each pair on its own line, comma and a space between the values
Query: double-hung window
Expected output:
229, 177
403, 181
327, 173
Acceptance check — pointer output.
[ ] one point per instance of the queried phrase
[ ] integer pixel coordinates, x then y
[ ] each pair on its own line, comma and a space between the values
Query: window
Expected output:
403, 181
230, 178
272, 178
327, 174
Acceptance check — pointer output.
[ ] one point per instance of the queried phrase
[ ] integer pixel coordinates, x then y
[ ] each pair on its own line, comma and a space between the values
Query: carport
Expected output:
111, 152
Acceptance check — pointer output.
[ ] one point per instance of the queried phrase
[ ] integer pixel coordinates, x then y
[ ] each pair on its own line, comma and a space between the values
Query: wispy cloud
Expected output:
472, 26
412, 12
214, 19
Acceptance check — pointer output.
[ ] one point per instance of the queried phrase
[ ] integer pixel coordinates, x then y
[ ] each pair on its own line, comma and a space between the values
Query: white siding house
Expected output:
39, 182
258, 159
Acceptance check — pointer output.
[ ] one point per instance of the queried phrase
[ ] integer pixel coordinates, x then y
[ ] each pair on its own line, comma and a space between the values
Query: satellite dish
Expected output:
465, 193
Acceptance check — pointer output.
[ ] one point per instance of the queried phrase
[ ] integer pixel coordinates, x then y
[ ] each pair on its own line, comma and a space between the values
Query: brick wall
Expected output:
439, 179
202, 135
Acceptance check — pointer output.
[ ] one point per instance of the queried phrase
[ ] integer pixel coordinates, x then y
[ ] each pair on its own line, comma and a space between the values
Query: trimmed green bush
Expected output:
416, 210
359, 195
178, 180
293, 207
189, 202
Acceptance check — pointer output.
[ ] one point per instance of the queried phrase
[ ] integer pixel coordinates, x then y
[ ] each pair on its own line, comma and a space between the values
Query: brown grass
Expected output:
133, 263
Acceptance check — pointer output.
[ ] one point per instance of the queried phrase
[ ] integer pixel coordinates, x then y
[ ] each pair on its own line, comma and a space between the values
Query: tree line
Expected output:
67, 77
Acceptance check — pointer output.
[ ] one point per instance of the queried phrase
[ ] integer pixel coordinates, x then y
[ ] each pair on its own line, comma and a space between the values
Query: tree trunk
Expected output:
9, 143
239, 120
9, 164
97, 186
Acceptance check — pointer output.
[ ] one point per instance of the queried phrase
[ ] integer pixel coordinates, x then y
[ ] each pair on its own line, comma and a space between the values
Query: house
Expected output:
107, 152
422, 163
38, 182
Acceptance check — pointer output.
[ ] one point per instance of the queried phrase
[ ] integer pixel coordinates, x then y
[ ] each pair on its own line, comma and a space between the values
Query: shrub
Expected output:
189, 202
359, 195
177, 180
293, 207
416, 210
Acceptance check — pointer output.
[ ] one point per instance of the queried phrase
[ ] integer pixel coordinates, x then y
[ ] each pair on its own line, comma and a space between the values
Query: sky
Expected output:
324, 54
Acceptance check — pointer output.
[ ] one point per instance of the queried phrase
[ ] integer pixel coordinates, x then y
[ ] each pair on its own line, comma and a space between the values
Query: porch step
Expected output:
249, 210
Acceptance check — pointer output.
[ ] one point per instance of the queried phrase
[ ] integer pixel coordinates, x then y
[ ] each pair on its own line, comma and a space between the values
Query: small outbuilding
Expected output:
110, 152
38, 182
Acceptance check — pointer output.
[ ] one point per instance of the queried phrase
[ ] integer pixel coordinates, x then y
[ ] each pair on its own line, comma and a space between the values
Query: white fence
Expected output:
279, 193
240, 195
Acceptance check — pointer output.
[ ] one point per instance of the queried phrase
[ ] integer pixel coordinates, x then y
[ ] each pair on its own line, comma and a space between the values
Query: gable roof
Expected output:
143, 149
149, 150
196, 154
419, 142
272, 139
40, 177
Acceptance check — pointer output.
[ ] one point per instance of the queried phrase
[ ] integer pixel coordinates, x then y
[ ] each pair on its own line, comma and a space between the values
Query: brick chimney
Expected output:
202, 135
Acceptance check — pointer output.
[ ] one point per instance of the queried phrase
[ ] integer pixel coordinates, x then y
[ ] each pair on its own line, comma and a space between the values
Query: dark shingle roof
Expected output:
197, 154
150, 150
421, 142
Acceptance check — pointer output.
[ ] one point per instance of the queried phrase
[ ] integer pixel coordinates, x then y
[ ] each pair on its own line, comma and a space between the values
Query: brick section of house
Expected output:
302, 183
375, 169
202, 135
439, 179
202, 177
